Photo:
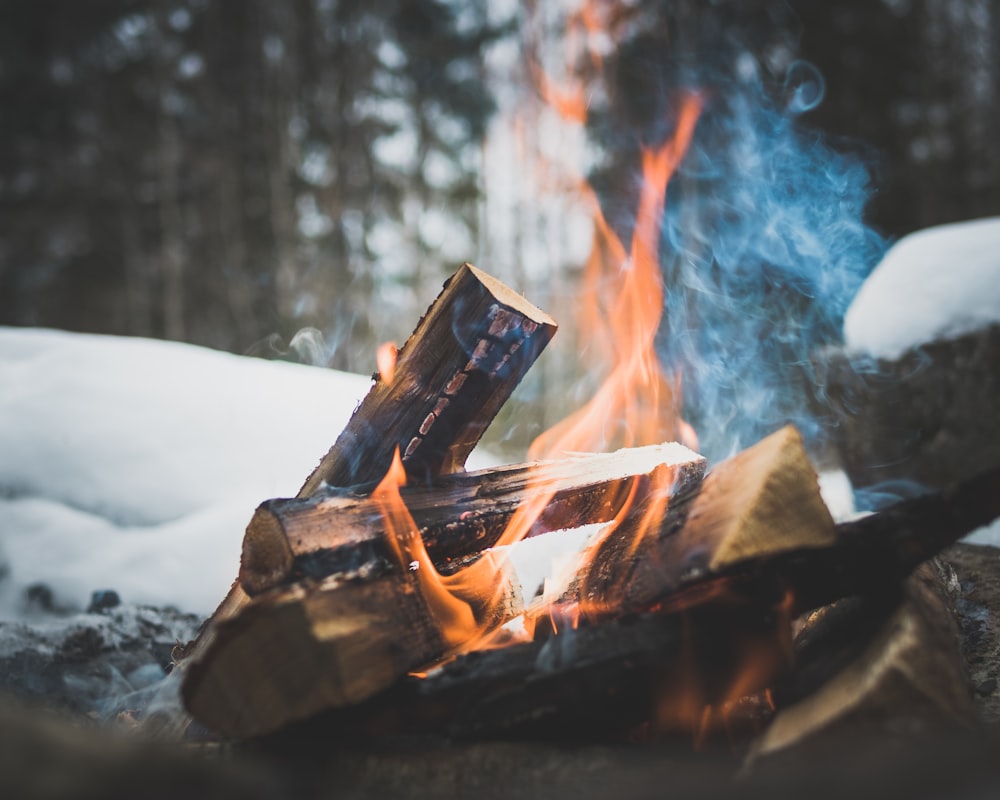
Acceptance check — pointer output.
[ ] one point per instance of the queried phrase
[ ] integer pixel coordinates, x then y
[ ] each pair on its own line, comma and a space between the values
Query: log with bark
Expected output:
458, 517
377, 636
455, 372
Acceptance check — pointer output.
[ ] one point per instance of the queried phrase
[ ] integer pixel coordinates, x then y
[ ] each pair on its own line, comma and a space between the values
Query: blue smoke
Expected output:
763, 247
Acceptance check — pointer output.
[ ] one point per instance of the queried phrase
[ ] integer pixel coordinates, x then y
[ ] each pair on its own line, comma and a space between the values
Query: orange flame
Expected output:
385, 360
464, 605
638, 403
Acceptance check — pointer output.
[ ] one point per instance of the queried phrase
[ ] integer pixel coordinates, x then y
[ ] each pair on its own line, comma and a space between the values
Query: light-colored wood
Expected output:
907, 679
759, 503
459, 366
458, 517
763, 501
302, 649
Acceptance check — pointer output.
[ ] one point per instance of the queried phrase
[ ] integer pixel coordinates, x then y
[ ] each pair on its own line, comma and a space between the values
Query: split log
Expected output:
460, 364
458, 517
295, 651
761, 502
882, 549
452, 376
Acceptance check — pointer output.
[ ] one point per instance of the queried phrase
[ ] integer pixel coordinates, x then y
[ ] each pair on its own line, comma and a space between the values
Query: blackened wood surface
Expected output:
596, 683
459, 516
459, 366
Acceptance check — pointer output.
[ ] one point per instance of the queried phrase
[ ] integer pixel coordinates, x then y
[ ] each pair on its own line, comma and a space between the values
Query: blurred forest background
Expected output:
231, 172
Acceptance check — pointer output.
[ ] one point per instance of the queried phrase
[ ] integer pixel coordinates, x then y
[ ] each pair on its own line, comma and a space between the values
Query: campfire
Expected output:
383, 599
708, 599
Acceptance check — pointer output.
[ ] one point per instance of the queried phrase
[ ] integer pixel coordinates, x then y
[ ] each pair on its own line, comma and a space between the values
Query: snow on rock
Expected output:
937, 283
134, 465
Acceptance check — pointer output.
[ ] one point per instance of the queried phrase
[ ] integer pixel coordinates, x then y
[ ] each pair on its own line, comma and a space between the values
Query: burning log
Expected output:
458, 517
367, 626
294, 651
452, 376
358, 630
719, 637
600, 682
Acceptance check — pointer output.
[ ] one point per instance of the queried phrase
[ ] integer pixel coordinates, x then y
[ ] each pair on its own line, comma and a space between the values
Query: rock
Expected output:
99, 663
975, 594
102, 600
929, 417
39, 597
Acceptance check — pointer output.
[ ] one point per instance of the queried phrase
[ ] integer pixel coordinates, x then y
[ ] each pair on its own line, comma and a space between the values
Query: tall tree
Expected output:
221, 172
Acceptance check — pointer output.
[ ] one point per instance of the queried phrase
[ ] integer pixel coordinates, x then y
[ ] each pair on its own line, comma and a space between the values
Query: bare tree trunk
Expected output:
172, 255
138, 311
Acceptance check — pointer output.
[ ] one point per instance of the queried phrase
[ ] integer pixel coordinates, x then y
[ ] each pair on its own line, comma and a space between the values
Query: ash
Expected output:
109, 663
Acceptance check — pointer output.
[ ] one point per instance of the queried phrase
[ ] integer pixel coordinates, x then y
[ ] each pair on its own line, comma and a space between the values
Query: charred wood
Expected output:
459, 516
459, 366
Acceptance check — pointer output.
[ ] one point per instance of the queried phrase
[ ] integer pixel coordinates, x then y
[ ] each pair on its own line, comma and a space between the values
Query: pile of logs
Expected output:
328, 614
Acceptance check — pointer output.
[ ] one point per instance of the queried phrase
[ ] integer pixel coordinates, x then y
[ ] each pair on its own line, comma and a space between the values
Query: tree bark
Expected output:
459, 516
456, 370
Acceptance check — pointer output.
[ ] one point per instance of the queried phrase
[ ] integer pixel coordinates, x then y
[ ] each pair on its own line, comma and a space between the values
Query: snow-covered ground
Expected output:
134, 465
937, 283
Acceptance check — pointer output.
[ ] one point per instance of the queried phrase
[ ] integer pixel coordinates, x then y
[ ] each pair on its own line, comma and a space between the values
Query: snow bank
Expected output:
134, 464
938, 283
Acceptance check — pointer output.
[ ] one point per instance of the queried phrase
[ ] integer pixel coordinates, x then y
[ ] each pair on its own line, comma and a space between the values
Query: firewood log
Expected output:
459, 516
889, 666
297, 650
712, 538
452, 376
602, 682
763, 501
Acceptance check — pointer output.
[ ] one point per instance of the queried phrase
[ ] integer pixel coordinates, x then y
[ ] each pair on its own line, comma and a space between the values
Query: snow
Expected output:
134, 465
938, 283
